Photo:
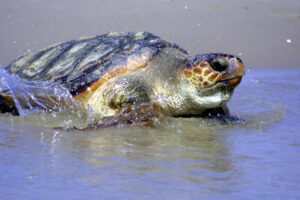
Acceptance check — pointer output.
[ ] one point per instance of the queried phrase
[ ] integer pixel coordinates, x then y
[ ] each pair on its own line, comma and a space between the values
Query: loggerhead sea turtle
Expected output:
113, 73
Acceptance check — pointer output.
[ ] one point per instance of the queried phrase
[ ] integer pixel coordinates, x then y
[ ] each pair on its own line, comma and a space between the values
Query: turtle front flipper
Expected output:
145, 114
223, 115
123, 100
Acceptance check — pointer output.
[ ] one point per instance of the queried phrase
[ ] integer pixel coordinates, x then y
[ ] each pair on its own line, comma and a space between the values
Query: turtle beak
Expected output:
233, 75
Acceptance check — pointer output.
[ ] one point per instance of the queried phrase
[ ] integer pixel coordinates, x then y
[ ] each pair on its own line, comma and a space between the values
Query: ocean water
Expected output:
256, 157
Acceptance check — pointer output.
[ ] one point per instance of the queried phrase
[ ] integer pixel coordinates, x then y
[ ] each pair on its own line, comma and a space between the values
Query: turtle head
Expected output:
211, 78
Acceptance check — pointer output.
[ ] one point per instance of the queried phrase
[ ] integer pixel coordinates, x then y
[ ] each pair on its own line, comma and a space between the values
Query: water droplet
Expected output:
53, 141
255, 81
42, 137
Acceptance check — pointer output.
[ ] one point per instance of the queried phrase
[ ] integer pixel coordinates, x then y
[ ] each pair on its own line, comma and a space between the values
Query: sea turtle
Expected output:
113, 73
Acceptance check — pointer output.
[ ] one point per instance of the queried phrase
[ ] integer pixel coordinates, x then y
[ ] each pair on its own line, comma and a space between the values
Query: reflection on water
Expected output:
183, 158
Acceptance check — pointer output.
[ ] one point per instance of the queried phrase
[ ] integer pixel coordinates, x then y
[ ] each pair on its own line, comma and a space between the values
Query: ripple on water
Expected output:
183, 156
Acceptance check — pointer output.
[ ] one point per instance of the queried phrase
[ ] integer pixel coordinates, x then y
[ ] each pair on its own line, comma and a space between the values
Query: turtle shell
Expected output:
81, 64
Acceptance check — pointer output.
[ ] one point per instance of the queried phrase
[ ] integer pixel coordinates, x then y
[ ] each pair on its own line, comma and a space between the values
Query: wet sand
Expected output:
264, 33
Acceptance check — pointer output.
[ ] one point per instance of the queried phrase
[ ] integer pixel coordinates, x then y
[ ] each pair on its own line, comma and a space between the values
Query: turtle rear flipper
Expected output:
19, 104
21, 96
30, 102
7, 103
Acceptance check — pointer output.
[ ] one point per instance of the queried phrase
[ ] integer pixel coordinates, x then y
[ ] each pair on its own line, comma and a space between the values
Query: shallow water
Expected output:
183, 158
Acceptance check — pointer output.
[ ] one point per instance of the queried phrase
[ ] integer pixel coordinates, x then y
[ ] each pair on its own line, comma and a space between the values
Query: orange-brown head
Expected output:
211, 78
206, 70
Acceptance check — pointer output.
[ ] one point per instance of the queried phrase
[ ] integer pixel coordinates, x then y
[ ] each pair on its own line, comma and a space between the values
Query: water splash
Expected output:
34, 96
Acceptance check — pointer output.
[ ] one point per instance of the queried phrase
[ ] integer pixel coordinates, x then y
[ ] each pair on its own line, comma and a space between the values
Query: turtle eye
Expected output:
219, 64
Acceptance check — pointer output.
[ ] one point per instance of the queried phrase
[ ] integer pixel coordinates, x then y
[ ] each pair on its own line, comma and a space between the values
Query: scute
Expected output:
77, 64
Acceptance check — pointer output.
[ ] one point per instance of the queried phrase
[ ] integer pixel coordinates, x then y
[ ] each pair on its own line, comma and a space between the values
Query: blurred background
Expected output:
265, 33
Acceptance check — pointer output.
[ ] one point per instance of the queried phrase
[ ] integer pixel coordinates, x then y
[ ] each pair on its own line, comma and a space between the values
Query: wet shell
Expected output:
84, 64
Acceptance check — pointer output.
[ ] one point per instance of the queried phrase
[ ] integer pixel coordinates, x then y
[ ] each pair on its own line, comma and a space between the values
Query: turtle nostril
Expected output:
219, 64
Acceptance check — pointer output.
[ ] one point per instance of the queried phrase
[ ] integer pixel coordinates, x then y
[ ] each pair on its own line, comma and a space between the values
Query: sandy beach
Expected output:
265, 33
